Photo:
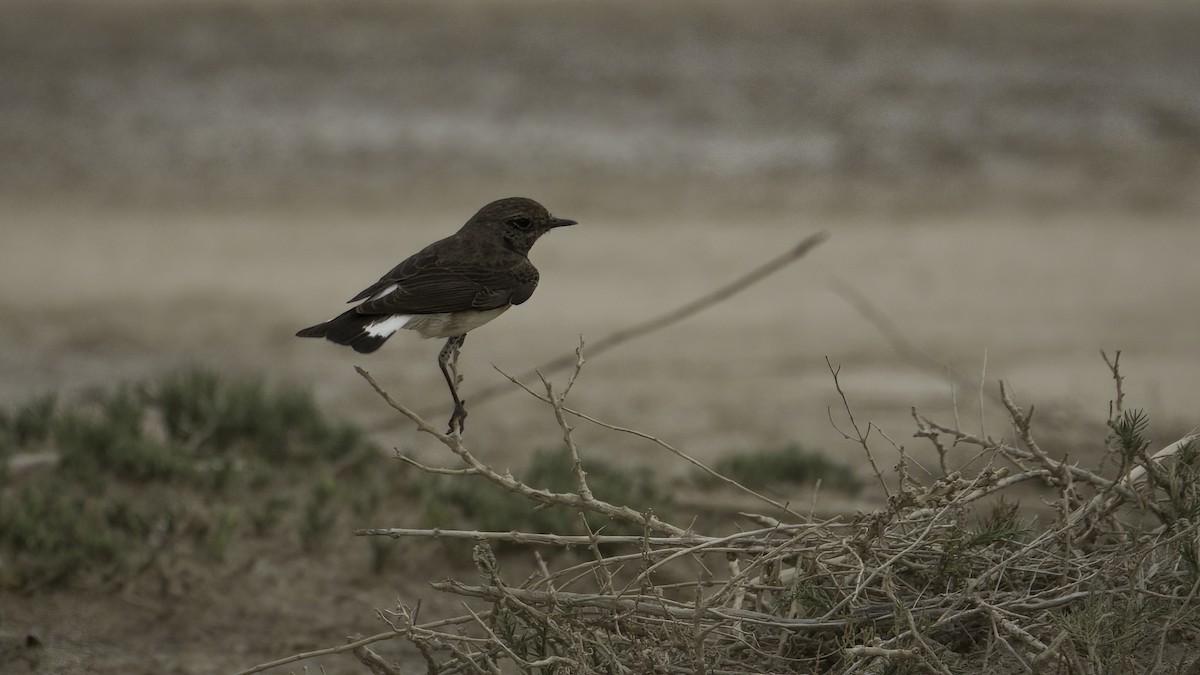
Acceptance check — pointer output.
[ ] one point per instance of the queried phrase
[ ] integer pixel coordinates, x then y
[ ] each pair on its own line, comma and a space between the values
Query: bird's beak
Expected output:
562, 222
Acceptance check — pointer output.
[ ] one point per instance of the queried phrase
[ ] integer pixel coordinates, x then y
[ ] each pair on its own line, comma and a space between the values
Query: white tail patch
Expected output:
384, 292
386, 326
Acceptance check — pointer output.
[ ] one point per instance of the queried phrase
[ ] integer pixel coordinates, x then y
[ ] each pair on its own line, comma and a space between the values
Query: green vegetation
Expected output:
191, 463
786, 465
1004, 526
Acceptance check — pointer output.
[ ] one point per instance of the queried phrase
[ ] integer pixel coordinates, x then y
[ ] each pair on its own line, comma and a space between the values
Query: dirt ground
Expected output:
1011, 184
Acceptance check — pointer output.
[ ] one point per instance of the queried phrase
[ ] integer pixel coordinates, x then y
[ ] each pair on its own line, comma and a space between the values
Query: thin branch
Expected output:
859, 437
455, 443
434, 469
982, 391
654, 606
676, 315
567, 540
660, 443
1114, 367
895, 336
349, 647
557, 402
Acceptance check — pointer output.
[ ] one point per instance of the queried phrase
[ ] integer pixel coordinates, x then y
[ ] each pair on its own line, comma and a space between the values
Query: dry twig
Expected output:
662, 321
920, 583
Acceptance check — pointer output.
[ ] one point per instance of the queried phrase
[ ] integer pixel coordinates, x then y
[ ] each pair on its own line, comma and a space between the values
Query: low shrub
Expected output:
190, 463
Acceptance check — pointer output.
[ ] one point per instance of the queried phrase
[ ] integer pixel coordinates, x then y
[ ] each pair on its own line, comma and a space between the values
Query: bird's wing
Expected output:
430, 282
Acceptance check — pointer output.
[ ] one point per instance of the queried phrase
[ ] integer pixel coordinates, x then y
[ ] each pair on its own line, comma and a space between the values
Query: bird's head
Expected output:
519, 221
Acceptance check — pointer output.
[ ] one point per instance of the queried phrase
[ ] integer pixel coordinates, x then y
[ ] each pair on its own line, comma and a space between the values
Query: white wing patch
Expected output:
384, 292
388, 325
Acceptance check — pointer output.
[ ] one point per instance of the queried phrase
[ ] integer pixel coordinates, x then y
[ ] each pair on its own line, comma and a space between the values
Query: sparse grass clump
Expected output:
192, 462
783, 466
30, 423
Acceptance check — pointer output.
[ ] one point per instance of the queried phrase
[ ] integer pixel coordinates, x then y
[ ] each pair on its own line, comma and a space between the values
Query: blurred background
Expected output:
193, 181
607, 107
1011, 186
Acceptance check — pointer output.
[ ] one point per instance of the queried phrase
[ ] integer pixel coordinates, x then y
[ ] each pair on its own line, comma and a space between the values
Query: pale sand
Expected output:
93, 300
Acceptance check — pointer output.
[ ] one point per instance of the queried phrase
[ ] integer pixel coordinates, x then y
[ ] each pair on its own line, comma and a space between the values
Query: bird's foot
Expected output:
457, 418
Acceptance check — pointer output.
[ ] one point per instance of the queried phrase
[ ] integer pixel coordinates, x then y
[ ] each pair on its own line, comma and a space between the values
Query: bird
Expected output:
450, 287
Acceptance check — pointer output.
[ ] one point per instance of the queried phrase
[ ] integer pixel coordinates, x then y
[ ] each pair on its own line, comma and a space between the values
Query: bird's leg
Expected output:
448, 361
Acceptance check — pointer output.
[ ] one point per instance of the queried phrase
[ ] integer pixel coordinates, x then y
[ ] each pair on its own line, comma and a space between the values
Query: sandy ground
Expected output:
1009, 183
126, 298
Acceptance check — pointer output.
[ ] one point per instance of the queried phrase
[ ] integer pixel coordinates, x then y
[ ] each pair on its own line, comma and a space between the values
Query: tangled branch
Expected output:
949, 576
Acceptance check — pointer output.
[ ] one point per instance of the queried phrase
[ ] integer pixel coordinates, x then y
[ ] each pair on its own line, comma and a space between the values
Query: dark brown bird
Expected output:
451, 286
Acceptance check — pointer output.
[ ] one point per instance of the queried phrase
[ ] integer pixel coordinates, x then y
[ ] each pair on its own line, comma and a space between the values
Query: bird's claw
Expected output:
457, 418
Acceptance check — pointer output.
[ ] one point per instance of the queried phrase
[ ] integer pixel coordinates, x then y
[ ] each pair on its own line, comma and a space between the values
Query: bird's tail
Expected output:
318, 330
353, 329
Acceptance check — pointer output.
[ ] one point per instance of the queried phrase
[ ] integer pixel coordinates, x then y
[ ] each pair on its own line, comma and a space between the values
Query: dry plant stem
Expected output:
867, 651
1110, 492
930, 655
1016, 656
739, 594
435, 469
895, 336
550, 539
1022, 421
557, 403
455, 444
1105, 502
526, 665
882, 568
1007, 482
603, 574
1054, 467
738, 578
933, 437
692, 550
884, 590
699, 634
982, 389
674, 316
948, 619
1138, 472
652, 605
1075, 518
660, 443
1013, 629
1114, 367
374, 662
407, 630
859, 437
349, 647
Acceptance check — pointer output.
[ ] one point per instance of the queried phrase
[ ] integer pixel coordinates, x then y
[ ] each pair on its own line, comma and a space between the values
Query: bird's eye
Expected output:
520, 223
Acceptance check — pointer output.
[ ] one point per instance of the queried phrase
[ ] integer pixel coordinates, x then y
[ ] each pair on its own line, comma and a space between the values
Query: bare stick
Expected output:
374, 662
540, 538
662, 321
434, 469
455, 443
895, 337
648, 605
982, 390
348, 647
557, 401
859, 436
1114, 367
